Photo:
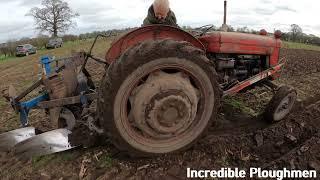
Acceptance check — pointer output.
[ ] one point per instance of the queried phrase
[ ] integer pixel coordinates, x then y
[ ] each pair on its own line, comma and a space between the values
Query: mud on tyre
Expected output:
158, 97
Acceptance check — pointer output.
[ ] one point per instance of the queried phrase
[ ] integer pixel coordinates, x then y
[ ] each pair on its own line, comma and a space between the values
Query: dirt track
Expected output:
237, 140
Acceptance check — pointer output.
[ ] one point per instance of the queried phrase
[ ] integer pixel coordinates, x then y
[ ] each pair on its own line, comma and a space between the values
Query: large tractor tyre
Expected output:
281, 104
158, 97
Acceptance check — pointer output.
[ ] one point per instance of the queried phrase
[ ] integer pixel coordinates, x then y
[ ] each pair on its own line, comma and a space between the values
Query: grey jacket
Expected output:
151, 18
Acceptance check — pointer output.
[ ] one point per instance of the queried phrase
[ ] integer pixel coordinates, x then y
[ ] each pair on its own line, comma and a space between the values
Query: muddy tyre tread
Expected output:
130, 61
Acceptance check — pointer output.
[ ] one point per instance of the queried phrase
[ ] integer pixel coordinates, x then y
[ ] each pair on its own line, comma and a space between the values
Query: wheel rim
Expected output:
66, 119
163, 121
285, 106
163, 108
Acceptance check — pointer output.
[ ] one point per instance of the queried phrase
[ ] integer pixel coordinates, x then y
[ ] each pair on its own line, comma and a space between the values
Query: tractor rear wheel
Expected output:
158, 97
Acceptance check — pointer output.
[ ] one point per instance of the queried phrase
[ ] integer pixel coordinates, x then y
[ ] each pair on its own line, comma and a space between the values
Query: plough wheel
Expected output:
281, 104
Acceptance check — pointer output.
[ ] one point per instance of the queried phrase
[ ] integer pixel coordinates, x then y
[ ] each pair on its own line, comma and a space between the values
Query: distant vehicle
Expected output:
54, 43
25, 50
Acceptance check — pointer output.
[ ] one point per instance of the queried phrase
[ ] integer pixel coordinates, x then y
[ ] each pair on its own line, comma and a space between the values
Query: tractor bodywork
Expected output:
243, 44
240, 59
160, 92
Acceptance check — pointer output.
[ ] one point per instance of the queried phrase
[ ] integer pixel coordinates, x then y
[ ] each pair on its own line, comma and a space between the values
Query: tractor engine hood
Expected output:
240, 43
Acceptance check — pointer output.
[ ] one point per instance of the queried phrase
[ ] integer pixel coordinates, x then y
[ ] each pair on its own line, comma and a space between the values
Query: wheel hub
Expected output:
169, 114
165, 105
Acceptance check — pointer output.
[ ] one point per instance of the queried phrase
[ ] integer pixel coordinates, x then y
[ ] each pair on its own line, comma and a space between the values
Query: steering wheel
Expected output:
204, 29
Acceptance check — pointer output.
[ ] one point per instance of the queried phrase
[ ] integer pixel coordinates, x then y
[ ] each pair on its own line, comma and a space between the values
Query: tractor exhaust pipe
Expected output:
225, 12
224, 25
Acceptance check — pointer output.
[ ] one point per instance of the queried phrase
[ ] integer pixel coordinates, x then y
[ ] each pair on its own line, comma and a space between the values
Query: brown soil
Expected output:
238, 139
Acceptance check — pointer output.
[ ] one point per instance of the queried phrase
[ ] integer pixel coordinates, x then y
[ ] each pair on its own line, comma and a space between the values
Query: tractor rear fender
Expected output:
153, 32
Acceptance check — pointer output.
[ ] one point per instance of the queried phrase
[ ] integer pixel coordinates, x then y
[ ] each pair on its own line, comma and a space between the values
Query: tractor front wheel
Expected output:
159, 97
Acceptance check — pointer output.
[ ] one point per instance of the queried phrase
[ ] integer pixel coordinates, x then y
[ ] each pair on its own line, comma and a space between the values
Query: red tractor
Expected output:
163, 86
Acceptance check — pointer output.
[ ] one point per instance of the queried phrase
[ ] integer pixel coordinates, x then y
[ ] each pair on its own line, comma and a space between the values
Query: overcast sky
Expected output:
96, 15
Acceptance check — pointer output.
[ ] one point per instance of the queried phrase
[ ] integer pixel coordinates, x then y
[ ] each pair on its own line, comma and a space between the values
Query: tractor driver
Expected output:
160, 13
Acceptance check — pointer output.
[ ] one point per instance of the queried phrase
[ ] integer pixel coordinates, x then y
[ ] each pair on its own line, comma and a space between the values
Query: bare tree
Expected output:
296, 31
40, 41
244, 29
55, 16
11, 47
4, 50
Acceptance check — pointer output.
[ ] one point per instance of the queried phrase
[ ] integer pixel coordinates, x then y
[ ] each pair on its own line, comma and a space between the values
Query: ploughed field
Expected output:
240, 137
